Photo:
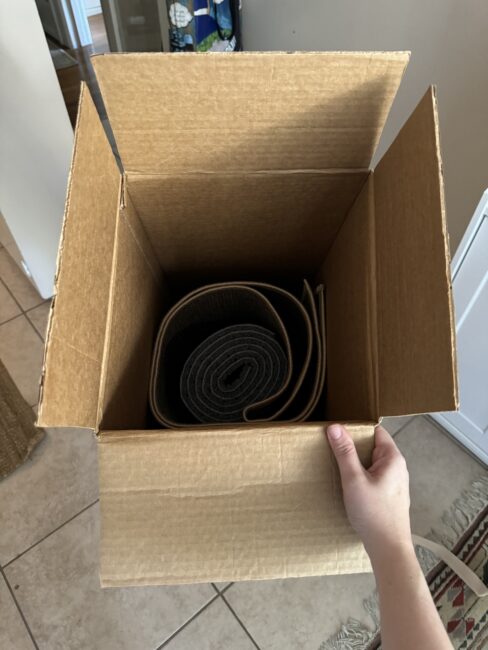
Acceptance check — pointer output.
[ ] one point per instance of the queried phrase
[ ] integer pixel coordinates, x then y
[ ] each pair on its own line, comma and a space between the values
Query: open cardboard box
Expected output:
245, 166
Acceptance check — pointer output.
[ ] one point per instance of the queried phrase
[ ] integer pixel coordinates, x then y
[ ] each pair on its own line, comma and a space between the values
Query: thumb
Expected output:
344, 451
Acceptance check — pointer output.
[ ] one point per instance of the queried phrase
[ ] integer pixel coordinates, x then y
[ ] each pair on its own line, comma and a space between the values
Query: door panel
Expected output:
470, 286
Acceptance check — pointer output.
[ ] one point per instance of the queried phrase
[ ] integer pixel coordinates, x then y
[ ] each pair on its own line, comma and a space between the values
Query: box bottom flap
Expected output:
224, 505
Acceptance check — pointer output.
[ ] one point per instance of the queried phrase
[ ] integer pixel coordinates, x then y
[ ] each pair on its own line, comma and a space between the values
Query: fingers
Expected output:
383, 442
344, 451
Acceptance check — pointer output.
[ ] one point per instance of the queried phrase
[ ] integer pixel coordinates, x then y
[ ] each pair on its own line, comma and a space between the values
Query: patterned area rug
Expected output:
464, 615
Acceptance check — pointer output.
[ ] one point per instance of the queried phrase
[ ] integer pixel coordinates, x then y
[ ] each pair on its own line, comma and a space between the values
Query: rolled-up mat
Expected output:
239, 352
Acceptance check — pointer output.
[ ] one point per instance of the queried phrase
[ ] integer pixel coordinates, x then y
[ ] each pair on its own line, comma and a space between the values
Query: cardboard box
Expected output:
245, 166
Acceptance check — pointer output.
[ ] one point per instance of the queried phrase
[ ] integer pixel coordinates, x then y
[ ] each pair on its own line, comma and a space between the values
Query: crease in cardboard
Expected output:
123, 191
108, 325
76, 349
179, 492
252, 172
150, 265
373, 306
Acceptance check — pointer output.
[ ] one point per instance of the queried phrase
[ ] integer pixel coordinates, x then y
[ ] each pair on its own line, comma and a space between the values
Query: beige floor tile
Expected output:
55, 483
21, 350
394, 424
39, 316
299, 613
13, 633
215, 628
17, 282
8, 307
58, 590
439, 471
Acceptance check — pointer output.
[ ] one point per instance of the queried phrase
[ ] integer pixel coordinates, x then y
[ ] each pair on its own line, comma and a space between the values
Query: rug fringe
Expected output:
354, 635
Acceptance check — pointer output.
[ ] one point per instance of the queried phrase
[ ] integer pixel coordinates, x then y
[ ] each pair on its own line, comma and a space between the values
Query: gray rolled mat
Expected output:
240, 351
236, 366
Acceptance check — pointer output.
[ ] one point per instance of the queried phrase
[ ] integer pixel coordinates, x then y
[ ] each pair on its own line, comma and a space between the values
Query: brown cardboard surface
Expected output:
136, 302
245, 167
248, 110
416, 348
195, 221
76, 332
242, 503
349, 277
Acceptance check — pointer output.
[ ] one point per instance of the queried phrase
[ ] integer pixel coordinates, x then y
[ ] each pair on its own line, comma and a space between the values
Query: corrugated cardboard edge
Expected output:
108, 327
39, 421
373, 311
445, 234
399, 54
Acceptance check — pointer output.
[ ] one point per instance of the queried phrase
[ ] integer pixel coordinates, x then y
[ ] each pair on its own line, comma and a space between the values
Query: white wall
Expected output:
36, 140
449, 44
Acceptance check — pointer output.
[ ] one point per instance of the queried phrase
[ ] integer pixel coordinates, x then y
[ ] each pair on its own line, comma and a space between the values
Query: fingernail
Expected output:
334, 431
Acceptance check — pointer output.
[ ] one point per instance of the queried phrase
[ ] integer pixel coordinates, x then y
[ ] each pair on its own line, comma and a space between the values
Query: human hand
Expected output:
377, 500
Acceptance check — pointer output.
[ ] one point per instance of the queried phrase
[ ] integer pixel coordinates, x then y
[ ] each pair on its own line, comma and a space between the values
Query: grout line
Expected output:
33, 326
39, 541
12, 295
4, 322
44, 300
19, 609
221, 591
192, 618
239, 621
409, 421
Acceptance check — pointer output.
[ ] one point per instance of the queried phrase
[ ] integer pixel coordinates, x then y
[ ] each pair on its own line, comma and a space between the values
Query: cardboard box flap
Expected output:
234, 504
248, 110
416, 345
76, 331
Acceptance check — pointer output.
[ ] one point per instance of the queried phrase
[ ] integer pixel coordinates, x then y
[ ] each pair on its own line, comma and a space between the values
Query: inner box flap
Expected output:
248, 110
416, 333
76, 331
233, 504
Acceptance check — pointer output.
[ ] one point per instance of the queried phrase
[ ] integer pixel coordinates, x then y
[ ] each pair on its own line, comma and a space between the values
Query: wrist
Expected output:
390, 551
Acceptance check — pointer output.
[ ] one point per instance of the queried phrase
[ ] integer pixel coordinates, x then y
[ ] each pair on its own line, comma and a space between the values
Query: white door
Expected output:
36, 141
470, 287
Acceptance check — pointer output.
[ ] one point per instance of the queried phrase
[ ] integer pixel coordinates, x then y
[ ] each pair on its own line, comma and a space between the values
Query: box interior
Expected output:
256, 186
199, 228
286, 196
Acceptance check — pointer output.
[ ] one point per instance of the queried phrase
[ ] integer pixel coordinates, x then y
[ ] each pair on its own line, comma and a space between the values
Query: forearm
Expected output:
409, 619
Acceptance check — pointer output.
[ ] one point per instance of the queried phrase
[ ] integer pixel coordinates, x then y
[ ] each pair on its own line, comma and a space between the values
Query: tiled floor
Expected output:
49, 591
